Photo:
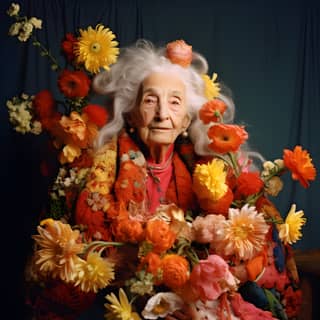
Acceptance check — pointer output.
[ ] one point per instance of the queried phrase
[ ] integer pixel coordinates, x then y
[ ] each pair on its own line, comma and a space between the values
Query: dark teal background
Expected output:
266, 52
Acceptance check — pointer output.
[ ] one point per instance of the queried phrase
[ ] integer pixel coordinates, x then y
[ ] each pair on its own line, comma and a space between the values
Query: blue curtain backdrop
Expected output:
266, 51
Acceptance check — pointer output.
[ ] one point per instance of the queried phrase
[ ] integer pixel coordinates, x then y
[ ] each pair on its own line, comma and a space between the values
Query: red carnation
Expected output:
74, 84
43, 104
97, 114
68, 45
249, 183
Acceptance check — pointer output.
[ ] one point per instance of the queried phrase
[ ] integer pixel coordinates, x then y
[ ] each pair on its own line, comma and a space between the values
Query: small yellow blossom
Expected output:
211, 88
274, 186
209, 180
119, 309
37, 23
13, 9
290, 230
69, 153
94, 273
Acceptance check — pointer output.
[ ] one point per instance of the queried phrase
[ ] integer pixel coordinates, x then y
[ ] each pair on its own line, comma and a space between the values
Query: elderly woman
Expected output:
173, 184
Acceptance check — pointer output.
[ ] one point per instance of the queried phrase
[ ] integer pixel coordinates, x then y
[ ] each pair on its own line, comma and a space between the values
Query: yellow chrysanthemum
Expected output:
211, 88
96, 48
209, 180
95, 273
290, 230
243, 234
119, 309
58, 251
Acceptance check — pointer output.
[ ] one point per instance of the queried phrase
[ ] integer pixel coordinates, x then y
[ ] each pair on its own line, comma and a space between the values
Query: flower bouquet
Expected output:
230, 258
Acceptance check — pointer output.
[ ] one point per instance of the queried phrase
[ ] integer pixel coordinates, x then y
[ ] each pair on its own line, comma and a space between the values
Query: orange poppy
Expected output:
300, 164
212, 111
179, 52
226, 137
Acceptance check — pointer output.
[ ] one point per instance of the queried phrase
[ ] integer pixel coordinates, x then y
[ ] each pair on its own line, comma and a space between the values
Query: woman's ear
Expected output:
186, 122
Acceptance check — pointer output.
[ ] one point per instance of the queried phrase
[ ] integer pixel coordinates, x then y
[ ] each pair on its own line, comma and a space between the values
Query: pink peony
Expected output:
211, 277
204, 229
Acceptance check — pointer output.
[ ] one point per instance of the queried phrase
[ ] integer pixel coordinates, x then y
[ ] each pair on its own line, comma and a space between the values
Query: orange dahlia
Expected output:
249, 183
212, 111
226, 137
300, 164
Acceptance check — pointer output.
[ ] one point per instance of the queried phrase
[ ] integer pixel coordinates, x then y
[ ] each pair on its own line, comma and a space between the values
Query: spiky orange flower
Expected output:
226, 137
300, 164
59, 249
212, 111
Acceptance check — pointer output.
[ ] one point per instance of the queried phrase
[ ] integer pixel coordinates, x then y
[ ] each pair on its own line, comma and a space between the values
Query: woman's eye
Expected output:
175, 102
150, 100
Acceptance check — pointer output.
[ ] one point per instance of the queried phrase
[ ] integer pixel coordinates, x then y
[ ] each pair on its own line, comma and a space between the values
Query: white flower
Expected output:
15, 28
162, 304
27, 27
37, 23
13, 9
274, 186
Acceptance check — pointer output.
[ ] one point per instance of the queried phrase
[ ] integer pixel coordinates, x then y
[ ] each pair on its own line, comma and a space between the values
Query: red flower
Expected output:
226, 137
68, 45
212, 111
249, 183
43, 104
220, 206
96, 114
300, 164
293, 301
74, 84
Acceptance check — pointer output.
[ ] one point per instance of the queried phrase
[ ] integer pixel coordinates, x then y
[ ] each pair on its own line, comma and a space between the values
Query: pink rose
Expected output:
211, 277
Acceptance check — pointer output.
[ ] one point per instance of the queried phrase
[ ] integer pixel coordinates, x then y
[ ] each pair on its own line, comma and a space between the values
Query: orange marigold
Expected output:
175, 271
160, 235
226, 137
300, 164
212, 111
127, 230
249, 183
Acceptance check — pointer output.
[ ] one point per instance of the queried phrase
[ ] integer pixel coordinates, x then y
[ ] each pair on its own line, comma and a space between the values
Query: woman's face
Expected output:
161, 115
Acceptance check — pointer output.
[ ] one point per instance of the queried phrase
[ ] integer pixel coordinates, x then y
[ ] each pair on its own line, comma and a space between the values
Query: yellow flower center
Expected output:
161, 307
242, 231
95, 47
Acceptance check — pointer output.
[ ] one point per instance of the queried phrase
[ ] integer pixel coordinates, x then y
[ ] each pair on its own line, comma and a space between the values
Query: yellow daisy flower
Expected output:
209, 180
211, 88
96, 48
290, 230
119, 309
59, 249
95, 273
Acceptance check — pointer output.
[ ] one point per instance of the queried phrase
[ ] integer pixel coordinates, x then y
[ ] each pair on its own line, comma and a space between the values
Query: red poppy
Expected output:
74, 84
249, 183
226, 137
300, 164
68, 45
212, 111
43, 104
96, 114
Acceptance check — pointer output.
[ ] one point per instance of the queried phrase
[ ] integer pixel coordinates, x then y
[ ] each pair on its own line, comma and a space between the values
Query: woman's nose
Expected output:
162, 112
